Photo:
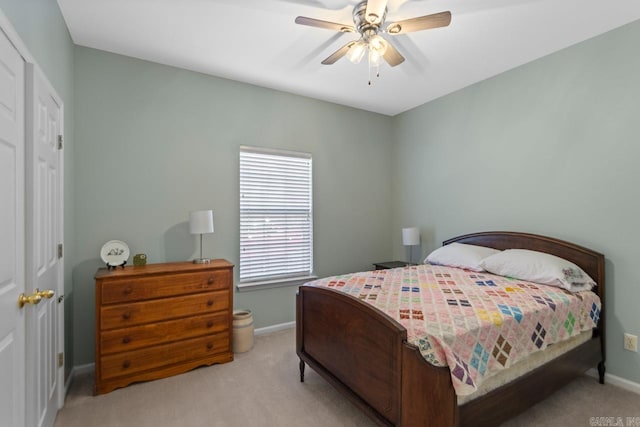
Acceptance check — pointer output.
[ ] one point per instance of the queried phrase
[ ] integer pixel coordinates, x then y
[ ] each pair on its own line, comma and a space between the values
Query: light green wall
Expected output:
41, 27
156, 142
551, 148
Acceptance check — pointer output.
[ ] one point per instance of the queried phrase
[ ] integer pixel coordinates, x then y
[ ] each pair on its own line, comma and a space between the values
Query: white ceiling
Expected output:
257, 41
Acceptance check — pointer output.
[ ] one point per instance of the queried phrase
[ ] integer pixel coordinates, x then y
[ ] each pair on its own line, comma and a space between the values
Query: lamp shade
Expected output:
410, 236
201, 222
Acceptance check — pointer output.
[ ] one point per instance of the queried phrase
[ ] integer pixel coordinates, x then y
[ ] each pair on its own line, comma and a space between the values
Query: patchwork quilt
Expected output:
475, 323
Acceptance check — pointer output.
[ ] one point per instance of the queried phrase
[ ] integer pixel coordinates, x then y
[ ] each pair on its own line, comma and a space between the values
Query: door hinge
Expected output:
60, 250
60, 139
60, 360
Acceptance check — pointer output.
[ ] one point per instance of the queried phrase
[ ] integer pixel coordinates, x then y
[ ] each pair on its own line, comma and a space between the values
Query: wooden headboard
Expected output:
590, 261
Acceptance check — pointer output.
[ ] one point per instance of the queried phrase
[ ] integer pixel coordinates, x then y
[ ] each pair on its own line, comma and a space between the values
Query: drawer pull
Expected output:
126, 315
210, 302
209, 345
127, 290
126, 364
209, 323
210, 281
126, 340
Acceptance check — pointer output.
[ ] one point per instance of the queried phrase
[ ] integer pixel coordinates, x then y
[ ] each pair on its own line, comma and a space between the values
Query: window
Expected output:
276, 227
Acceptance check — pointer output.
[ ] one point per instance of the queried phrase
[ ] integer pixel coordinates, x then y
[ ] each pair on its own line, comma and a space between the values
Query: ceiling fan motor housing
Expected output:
365, 26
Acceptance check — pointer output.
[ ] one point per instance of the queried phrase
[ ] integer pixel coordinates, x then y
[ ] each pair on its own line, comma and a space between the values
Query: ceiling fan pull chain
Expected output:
369, 63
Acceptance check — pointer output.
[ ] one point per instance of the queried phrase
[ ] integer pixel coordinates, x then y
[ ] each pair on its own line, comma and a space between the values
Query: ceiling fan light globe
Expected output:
356, 52
375, 58
378, 44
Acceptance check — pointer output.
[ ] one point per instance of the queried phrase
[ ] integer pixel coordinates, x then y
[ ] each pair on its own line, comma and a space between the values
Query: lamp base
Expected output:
202, 260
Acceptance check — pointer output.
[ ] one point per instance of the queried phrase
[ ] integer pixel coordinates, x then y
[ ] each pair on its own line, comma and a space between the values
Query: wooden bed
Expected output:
392, 382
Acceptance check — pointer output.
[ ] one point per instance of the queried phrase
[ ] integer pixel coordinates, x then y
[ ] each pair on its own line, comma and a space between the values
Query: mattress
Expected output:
477, 324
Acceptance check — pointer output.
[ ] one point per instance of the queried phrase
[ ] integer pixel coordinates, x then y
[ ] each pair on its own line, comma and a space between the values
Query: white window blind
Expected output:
276, 226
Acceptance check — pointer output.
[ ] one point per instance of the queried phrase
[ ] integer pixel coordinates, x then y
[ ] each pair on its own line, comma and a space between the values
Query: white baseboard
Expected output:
67, 383
275, 328
83, 369
77, 370
617, 381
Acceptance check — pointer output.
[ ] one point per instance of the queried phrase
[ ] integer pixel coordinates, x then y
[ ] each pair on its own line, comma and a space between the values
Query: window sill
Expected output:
277, 283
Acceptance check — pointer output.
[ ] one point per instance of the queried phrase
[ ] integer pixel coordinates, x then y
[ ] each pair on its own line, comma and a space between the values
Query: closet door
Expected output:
44, 253
12, 236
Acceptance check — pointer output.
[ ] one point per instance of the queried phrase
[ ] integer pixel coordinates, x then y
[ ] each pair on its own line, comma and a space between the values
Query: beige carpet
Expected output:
262, 388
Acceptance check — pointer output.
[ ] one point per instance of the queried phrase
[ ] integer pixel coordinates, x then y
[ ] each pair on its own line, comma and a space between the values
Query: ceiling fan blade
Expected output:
375, 11
420, 23
311, 22
338, 54
392, 56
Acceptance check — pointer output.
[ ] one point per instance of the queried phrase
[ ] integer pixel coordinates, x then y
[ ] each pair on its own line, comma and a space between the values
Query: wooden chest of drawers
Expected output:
160, 320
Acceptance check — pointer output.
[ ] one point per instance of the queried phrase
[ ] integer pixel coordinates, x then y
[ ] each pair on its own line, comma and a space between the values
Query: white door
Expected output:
12, 236
44, 262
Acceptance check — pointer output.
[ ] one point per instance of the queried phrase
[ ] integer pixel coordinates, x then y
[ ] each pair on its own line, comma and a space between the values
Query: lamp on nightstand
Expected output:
411, 237
201, 222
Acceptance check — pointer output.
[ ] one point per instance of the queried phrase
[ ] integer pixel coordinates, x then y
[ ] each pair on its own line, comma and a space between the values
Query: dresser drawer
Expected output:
125, 315
131, 362
126, 339
134, 289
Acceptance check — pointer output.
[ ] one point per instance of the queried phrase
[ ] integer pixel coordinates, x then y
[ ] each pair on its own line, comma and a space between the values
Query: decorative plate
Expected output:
114, 253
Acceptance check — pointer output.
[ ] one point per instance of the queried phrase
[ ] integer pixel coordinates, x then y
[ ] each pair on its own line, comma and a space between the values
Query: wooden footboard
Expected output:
364, 354
355, 348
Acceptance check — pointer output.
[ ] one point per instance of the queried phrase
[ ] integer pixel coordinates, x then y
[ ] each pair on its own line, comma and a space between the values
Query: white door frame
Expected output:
7, 27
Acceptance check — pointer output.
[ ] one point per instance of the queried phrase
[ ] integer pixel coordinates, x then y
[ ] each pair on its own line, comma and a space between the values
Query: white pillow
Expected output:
538, 267
460, 255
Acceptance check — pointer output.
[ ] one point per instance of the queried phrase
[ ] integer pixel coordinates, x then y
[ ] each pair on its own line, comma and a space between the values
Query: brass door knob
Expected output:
45, 294
31, 299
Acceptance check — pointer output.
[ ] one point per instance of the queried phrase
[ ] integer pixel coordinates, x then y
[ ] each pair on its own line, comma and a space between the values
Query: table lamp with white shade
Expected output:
411, 238
201, 222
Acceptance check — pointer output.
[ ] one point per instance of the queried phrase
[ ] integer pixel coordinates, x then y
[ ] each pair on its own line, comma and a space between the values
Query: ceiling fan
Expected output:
369, 21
